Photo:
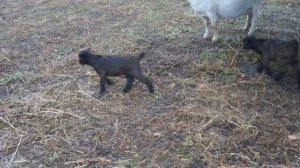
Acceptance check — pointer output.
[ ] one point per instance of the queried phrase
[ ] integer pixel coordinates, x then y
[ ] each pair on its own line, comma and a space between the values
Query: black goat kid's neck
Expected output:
92, 60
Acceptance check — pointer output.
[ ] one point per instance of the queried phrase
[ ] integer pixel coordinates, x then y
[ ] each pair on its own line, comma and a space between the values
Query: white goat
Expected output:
211, 9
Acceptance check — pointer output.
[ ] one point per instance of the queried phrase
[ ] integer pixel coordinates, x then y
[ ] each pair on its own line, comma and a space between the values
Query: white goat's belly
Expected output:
233, 8
222, 8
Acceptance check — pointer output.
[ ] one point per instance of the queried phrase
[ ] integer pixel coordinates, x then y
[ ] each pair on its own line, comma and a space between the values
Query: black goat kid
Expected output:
284, 53
115, 65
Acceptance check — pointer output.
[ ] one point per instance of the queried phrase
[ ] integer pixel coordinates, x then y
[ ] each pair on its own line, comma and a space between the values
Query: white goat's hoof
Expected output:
206, 35
250, 32
245, 27
215, 39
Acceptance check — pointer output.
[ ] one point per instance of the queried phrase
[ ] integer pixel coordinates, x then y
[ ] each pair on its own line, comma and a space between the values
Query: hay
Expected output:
206, 112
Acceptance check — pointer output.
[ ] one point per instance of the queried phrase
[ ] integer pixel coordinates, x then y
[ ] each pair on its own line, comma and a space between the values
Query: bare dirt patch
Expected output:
207, 111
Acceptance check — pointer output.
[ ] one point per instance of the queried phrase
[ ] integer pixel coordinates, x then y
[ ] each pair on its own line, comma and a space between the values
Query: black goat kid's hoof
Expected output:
126, 90
98, 95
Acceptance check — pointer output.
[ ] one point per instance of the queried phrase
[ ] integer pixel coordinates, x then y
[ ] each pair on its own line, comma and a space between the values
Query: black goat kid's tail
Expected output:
140, 56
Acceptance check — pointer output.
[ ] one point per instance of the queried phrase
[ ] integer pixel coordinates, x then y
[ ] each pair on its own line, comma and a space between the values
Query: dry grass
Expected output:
208, 111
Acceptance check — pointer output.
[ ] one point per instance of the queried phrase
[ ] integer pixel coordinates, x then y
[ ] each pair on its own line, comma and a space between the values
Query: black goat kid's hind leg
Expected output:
146, 81
109, 82
129, 83
266, 66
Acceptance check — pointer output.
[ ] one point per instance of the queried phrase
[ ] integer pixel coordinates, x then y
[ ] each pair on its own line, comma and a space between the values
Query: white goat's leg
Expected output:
252, 28
207, 28
253, 20
247, 25
215, 30
214, 27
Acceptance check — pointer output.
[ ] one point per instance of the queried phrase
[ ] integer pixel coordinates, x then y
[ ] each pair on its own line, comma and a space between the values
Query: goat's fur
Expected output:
284, 53
115, 65
210, 10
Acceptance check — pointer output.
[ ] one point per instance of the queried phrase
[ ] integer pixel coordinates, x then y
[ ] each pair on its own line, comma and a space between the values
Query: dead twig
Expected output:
11, 160
11, 126
57, 111
235, 55
90, 97
295, 137
8, 123
100, 159
58, 95
5, 57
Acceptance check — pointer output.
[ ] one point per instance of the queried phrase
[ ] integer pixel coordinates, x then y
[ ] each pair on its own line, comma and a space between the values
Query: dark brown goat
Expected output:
115, 65
284, 53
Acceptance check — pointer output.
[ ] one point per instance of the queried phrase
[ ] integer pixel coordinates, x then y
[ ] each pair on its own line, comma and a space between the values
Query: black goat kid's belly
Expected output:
114, 74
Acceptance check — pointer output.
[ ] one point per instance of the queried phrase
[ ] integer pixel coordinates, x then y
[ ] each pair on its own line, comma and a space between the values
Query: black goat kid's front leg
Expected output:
103, 80
279, 75
296, 67
109, 82
298, 78
266, 67
102, 83
268, 71
282, 70
129, 83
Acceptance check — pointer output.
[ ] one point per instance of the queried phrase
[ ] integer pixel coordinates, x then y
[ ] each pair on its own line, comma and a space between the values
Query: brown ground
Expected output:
210, 108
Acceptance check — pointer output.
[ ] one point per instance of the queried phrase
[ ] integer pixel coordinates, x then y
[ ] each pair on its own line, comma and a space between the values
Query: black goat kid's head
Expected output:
248, 42
83, 56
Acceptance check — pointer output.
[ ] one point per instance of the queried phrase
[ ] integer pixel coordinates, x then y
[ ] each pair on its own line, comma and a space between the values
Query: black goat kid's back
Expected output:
116, 65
